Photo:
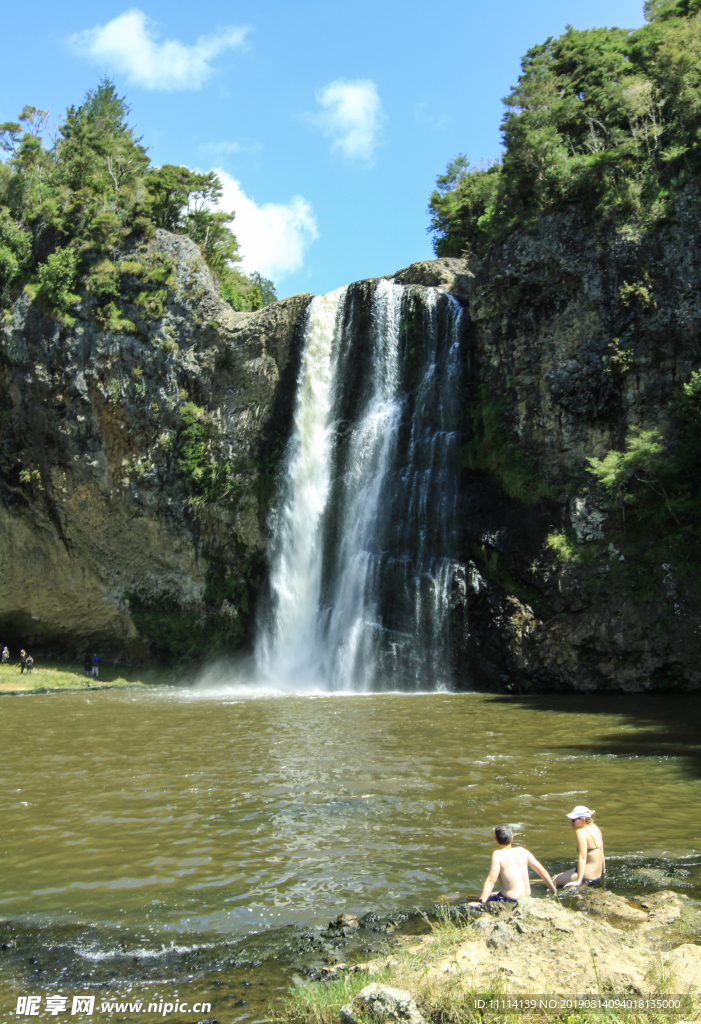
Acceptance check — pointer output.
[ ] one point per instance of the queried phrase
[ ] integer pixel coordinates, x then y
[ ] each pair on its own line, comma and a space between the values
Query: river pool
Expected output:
142, 828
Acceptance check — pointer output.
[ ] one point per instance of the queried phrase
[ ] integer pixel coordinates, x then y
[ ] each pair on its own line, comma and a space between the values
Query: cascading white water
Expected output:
349, 652
388, 601
365, 538
286, 642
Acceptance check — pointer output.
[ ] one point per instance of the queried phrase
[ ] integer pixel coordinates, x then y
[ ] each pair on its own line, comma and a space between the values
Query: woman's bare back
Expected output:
595, 850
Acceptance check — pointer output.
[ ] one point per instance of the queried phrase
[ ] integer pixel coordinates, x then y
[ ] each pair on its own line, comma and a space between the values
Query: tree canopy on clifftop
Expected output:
606, 118
67, 208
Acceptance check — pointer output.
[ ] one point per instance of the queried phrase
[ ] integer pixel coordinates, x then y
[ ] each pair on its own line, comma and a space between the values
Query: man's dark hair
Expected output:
503, 834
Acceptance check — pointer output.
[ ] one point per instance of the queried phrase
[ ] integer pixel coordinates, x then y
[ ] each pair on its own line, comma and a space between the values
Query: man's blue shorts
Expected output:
499, 897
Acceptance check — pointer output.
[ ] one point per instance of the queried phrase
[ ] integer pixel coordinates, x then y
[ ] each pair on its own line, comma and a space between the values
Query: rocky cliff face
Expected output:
136, 464
137, 460
573, 338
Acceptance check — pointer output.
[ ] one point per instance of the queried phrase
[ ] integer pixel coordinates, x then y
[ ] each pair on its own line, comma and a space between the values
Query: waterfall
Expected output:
288, 639
365, 532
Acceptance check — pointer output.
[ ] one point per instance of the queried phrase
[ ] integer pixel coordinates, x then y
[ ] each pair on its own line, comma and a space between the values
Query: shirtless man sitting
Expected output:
509, 867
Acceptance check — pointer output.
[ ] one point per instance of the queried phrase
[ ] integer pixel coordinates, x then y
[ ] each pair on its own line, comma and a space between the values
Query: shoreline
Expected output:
643, 950
9, 690
600, 945
67, 677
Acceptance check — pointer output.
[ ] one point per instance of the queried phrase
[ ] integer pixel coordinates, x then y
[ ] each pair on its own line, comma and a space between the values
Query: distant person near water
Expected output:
29, 664
22, 661
95, 665
87, 665
591, 862
509, 867
5, 656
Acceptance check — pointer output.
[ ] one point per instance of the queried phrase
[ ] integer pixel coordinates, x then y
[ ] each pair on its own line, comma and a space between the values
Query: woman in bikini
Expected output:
591, 862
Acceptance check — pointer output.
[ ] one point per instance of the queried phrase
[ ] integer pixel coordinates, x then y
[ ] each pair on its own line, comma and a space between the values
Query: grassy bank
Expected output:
57, 675
542, 949
323, 1006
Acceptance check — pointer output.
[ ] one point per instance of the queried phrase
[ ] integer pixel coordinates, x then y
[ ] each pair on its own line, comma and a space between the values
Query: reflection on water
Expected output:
654, 725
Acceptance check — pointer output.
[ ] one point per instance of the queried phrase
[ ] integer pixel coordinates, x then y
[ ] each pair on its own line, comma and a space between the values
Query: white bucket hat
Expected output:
580, 811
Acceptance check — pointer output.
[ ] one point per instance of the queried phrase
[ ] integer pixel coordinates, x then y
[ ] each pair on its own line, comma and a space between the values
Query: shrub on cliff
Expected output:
606, 118
67, 208
642, 462
58, 278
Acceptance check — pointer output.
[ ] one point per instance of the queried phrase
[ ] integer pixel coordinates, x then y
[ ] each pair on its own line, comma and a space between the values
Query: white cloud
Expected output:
274, 237
128, 44
351, 115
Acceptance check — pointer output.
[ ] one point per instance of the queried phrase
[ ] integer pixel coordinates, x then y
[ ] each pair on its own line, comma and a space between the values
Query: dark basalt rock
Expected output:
105, 541
546, 313
99, 517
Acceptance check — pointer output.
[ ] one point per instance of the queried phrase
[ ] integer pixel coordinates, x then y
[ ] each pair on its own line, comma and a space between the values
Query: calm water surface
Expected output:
174, 811
172, 816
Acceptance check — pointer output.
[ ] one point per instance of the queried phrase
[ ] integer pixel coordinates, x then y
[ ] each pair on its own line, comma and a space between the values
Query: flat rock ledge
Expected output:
638, 947
449, 274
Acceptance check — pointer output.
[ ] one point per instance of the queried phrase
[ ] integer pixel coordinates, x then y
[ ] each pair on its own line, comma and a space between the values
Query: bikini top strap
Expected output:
586, 829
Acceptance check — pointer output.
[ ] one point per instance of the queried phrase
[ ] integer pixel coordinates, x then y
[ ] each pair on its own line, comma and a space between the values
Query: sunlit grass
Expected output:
56, 675
320, 1003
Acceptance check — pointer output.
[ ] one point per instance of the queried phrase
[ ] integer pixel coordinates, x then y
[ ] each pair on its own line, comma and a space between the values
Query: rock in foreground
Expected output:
382, 1003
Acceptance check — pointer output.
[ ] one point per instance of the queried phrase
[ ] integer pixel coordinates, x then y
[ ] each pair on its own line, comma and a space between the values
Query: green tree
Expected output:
608, 119
265, 286
182, 200
173, 190
90, 192
245, 291
464, 206
640, 462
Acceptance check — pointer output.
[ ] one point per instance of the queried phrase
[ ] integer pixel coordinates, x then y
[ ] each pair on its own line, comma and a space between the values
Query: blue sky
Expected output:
329, 121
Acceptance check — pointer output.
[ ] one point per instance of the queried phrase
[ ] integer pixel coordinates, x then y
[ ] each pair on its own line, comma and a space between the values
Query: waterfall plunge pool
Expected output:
166, 840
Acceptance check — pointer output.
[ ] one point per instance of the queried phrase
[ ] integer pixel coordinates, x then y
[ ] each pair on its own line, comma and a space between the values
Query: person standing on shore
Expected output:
22, 662
591, 862
5, 656
509, 867
95, 665
30, 664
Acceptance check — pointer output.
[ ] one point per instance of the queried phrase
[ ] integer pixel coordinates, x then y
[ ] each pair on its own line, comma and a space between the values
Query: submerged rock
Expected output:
607, 904
656, 875
346, 921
